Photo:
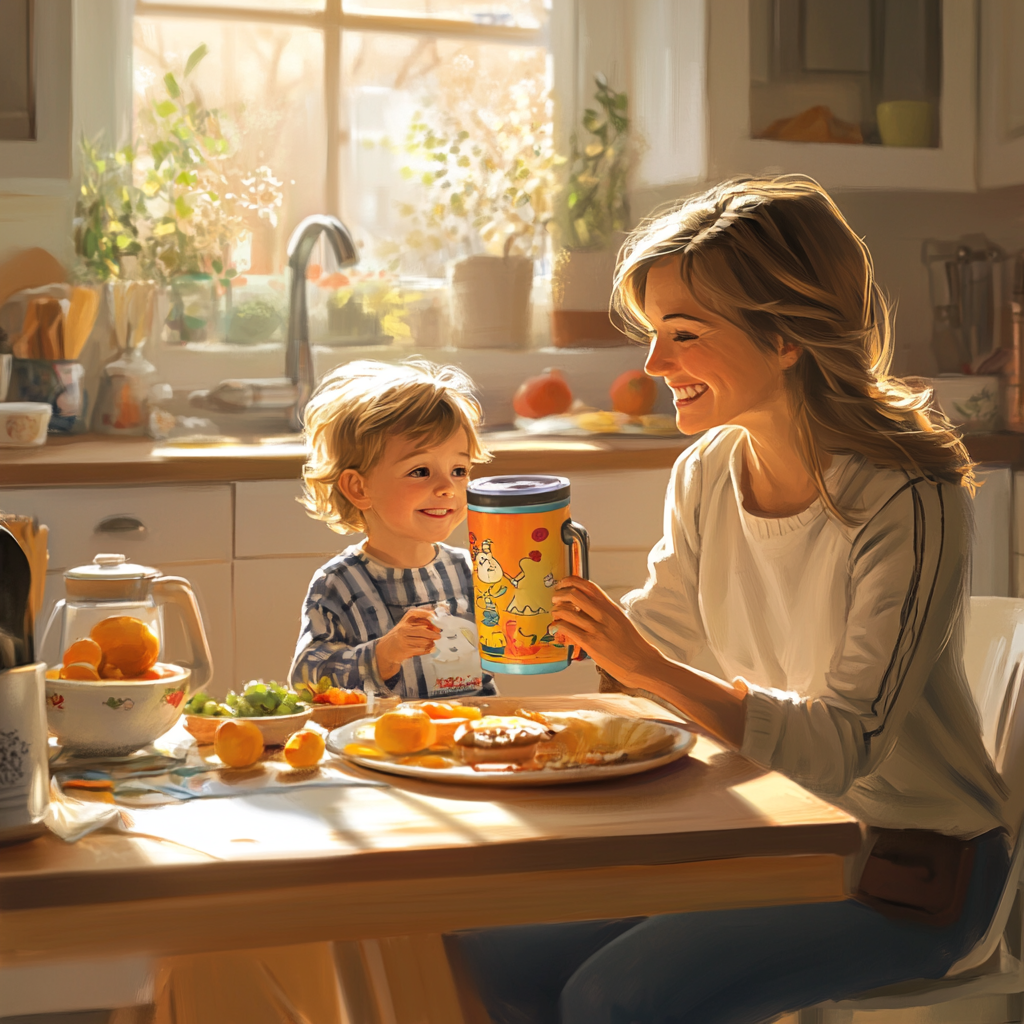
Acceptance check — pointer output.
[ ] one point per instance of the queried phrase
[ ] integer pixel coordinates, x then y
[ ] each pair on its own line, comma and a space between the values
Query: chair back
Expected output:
994, 661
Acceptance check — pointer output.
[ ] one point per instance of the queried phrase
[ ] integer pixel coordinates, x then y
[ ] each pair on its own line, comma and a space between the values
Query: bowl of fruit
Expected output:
274, 709
332, 706
110, 696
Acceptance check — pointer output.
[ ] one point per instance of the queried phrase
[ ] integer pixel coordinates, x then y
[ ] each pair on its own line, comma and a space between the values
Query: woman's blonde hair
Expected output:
776, 258
358, 407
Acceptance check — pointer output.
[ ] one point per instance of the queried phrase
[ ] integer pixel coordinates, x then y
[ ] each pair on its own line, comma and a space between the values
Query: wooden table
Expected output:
362, 866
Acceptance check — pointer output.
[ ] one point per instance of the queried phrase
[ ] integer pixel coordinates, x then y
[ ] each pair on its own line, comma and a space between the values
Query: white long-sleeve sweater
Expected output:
849, 638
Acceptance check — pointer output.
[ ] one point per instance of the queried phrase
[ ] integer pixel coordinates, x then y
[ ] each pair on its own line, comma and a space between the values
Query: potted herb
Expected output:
591, 214
488, 193
366, 309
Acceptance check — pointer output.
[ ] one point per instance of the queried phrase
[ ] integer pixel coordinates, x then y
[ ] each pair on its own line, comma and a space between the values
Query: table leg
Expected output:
280, 985
406, 979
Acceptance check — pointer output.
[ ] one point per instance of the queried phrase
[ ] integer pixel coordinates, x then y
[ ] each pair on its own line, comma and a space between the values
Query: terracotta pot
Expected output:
581, 295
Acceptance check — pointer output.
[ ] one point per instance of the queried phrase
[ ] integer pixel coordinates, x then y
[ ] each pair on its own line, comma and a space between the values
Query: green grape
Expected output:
278, 688
211, 707
227, 711
255, 687
283, 710
232, 698
245, 709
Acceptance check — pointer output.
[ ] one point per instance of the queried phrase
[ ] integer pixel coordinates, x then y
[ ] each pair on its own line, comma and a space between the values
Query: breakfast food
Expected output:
80, 670
404, 731
500, 739
257, 700
525, 742
325, 692
303, 749
440, 710
238, 744
84, 652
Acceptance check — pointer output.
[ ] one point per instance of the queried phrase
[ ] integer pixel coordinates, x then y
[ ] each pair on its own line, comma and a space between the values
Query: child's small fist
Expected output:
414, 635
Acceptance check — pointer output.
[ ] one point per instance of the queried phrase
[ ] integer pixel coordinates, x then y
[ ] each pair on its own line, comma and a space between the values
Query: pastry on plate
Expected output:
500, 739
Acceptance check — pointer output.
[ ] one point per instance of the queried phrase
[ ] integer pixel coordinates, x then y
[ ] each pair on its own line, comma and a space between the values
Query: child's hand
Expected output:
414, 635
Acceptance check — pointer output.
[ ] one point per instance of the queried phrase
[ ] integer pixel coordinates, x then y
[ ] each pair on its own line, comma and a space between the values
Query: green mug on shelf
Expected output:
905, 123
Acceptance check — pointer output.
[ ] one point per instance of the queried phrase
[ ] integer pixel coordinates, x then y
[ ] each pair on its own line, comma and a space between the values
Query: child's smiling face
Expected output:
417, 494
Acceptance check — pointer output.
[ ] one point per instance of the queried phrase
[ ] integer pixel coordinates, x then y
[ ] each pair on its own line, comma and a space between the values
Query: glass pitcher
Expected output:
111, 585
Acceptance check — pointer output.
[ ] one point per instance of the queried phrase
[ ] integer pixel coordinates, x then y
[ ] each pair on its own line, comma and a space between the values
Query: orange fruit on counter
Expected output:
304, 749
546, 395
87, 651
80, 670
633, 393
128, 644
404, 731
238, 743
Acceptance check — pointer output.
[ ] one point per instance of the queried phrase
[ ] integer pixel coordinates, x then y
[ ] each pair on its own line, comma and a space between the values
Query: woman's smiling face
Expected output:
717, 374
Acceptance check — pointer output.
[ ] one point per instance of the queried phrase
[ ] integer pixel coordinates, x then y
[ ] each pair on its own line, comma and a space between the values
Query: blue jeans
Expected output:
722, 966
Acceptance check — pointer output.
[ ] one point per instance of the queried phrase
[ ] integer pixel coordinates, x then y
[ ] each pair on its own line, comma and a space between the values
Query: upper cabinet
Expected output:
863, 93
1001, 128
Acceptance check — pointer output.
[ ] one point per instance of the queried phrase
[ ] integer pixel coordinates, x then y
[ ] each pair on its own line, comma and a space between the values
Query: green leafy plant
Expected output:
200, 196
488, 182
109, 210
593, 204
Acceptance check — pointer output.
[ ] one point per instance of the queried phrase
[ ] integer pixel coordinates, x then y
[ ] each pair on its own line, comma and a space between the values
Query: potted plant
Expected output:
365, 309
489, 186
591, 215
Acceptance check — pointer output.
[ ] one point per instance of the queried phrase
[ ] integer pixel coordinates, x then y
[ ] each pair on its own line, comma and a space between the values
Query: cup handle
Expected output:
577, 540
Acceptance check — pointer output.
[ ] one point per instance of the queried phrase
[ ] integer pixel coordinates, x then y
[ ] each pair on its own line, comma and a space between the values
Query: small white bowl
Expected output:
111, 718
23, 424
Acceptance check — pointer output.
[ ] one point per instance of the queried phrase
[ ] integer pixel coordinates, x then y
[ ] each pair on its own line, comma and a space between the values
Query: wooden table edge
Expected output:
360, 909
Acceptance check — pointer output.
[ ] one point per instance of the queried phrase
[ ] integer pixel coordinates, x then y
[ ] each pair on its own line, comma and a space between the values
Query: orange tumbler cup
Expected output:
523, 541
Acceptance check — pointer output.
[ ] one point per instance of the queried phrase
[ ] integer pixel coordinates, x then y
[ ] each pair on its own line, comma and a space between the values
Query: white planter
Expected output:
581, 291
490, 301
972, 403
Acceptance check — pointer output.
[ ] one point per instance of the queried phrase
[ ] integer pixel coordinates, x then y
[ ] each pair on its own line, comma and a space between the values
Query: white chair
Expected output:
985, 979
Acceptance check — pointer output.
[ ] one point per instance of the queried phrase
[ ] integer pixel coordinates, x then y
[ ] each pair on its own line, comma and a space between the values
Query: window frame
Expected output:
332, 22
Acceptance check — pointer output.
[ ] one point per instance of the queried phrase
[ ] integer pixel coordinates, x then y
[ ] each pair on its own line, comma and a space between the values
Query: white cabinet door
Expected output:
268, 604
950, 166
1001, 155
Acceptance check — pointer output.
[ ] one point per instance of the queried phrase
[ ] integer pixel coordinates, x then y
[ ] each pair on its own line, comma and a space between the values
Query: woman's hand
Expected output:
588, 617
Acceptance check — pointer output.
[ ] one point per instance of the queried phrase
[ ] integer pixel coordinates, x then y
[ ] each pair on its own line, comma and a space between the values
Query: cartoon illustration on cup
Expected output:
455, 661
522, 522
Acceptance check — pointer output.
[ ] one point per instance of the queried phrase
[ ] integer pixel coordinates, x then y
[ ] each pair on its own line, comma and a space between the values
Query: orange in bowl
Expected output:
129, 646
83, 651
80, 670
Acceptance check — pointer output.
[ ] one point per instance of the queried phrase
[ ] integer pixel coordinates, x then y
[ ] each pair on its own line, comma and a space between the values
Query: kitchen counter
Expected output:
94, 459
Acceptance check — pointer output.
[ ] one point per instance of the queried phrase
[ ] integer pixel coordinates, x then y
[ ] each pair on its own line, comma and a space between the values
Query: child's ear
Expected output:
352, 485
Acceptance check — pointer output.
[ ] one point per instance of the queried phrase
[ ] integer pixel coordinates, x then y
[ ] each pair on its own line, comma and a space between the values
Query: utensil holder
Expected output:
24, 764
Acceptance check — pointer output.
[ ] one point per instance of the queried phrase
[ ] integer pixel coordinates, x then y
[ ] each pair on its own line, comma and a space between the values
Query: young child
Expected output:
391, 450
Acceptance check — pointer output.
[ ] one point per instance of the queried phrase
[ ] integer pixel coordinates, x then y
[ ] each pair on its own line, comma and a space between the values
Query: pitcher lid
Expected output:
111, 567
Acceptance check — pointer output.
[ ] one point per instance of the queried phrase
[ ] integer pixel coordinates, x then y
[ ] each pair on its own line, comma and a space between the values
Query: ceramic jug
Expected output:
523, 541
24, 766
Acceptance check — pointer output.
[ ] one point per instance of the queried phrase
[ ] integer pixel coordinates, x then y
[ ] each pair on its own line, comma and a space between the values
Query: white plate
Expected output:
363, 729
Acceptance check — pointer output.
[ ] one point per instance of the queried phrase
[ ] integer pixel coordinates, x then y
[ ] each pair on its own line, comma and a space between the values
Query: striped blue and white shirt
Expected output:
353, 600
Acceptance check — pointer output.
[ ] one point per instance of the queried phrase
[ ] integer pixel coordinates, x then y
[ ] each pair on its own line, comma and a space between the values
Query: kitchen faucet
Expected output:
292, 391
298, 351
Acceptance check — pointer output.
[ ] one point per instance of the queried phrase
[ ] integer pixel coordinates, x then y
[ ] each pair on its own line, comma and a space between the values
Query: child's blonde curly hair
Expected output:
358, 407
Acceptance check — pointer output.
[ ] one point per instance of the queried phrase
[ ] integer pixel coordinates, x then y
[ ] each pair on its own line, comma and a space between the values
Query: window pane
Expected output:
449, 148
522, 13
264, 86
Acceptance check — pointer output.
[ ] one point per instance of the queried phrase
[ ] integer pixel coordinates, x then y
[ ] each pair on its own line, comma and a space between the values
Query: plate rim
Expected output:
467, 777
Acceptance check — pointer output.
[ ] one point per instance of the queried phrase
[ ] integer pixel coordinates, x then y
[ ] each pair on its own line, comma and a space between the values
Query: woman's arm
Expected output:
587, 616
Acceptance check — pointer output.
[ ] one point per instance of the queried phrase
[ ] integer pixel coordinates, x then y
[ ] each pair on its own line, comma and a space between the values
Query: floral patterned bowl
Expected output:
112, 718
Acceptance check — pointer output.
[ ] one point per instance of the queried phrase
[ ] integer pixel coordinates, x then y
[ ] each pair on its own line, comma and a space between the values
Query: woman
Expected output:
817, 540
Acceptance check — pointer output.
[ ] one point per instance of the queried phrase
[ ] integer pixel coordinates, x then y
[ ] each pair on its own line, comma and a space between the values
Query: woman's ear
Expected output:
789, 353
352, 485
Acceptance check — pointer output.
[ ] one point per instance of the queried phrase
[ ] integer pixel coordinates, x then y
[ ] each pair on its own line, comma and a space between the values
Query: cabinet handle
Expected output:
121, 524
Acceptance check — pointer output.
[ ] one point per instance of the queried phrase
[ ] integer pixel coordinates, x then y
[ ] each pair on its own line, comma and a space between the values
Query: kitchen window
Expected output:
371, 110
